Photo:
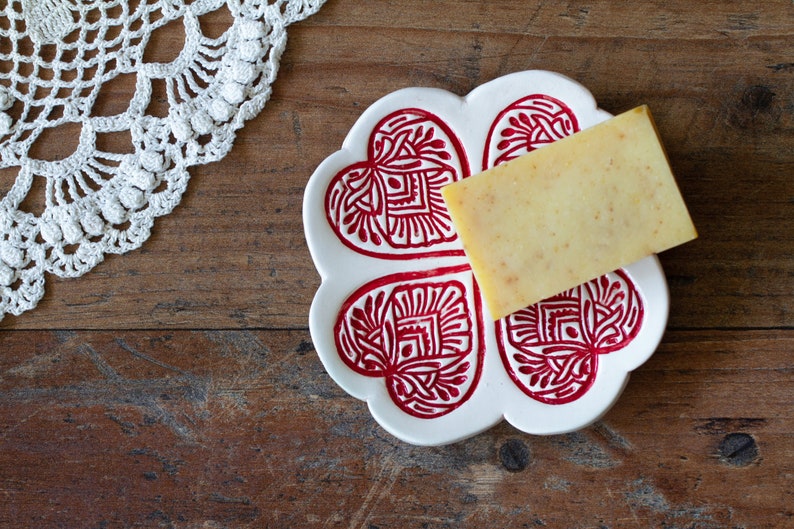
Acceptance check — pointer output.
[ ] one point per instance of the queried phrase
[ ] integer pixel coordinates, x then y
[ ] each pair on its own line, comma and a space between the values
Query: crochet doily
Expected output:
55, 55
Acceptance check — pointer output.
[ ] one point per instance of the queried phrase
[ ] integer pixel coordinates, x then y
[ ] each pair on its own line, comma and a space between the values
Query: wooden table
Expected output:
177, 386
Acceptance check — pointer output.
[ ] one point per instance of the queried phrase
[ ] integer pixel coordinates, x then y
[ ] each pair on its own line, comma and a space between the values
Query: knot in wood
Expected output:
738, 449
514, 455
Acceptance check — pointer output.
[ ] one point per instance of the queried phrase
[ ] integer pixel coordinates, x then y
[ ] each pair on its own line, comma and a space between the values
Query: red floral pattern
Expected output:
551, 349
390, 204
421, 333
526, 125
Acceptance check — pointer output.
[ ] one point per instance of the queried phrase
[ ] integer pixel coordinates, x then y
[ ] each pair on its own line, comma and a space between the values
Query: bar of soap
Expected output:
569, 212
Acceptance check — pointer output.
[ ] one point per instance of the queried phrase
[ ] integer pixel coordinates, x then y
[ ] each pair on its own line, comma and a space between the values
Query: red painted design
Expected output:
421, 332
525, 125
551, 349
390, 205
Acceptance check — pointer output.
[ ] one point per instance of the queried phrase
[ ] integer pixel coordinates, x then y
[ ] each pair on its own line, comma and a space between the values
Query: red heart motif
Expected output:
421, 332
551, 349
390, 205
525, 125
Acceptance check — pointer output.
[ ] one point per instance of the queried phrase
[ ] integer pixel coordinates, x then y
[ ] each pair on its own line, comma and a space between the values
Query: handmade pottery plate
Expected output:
398, 320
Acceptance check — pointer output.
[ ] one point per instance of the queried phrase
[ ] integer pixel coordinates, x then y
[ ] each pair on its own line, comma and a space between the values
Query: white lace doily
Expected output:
55, 55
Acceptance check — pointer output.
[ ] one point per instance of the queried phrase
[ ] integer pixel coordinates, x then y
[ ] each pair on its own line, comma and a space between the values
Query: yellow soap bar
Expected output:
569, 212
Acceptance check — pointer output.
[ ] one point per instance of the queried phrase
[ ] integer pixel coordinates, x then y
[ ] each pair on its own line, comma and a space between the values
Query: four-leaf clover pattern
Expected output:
422, 330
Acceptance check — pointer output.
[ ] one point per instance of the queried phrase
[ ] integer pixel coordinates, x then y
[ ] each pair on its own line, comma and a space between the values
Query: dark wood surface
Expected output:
177, 385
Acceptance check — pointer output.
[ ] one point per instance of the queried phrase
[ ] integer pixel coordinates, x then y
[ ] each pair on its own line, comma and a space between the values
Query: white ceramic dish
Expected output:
398, 320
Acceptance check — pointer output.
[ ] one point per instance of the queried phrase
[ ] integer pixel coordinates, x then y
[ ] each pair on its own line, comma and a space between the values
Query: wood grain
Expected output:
244, 429
177, 385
